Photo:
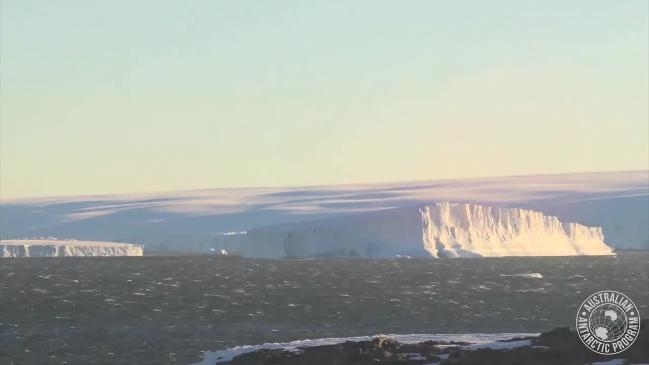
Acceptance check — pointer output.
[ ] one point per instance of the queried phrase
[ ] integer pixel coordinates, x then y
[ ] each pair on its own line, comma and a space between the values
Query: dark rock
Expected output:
559, 346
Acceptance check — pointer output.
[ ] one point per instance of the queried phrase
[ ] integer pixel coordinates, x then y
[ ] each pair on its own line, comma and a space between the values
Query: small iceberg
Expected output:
529, 275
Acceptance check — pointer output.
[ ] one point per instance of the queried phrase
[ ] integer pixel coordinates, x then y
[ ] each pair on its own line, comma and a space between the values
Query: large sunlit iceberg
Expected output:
436, 230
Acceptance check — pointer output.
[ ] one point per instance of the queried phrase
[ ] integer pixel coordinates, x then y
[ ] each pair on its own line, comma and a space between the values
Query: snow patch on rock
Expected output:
484, 340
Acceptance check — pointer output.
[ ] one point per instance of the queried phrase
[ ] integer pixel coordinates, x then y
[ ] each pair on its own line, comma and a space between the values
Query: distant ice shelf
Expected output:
63, 248
442, 229
196, 220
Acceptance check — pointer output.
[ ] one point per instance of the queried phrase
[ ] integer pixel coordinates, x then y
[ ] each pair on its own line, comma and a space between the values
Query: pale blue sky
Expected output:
135, 96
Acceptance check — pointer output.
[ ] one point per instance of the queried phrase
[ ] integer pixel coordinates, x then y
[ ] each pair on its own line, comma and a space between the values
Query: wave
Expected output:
529, 275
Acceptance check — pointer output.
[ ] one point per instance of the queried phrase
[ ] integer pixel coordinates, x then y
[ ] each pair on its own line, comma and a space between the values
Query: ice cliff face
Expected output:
437, 230
455, 230
56, 248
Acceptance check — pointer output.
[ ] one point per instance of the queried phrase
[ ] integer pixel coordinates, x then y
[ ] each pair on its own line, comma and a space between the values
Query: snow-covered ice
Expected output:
200, 219
60, 248
442, 229
499, 345
610, 362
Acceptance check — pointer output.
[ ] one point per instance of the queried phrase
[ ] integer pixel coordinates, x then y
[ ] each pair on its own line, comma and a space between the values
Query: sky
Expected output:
122, 96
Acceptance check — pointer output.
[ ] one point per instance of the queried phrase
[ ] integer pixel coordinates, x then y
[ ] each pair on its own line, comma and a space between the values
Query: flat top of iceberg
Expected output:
64, 242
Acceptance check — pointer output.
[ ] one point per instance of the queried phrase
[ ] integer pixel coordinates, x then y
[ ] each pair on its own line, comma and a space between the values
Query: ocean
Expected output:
169, 309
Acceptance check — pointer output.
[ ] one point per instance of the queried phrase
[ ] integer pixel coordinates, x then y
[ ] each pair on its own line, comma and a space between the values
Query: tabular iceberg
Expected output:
63, 248
457, 230
618, 202
436, 230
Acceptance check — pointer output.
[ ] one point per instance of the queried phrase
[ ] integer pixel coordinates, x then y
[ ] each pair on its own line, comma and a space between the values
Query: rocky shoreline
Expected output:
559, 346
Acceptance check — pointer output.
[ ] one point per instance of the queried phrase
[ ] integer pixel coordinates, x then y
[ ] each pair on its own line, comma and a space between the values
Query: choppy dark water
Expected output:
168, 309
